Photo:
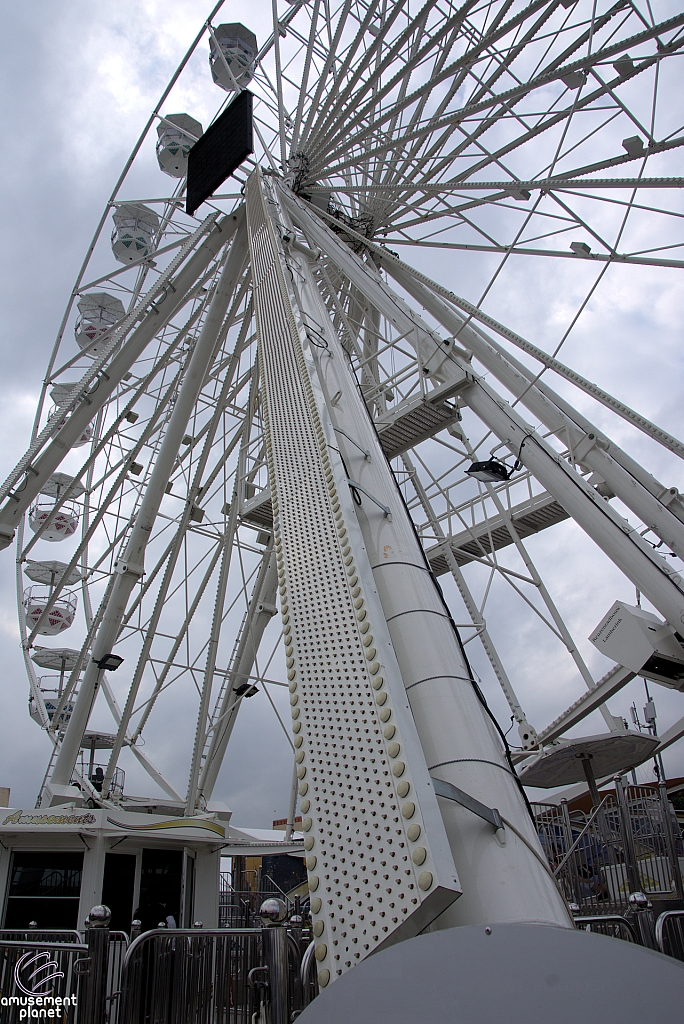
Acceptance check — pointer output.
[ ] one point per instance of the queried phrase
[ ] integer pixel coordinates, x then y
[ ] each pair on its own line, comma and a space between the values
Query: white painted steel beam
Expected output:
130, 566
367, 802
670, 736
458, 739
507, 187
258, 617
160, 313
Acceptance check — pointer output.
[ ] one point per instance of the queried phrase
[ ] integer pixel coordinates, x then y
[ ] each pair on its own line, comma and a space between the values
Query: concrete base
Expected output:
507, 972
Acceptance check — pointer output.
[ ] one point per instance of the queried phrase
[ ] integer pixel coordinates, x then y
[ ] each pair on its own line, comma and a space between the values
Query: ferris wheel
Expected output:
406, 148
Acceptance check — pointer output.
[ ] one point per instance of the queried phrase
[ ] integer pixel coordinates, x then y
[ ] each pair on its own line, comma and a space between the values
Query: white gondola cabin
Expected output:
177, 133
239, 47
56, 523
98, 313
60, 395
135, 226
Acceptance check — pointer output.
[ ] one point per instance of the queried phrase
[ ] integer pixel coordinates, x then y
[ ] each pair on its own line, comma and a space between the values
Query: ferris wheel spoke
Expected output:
557, 627
306, 71
168, 663
555, 624
147, 514
378, 117
327, 69
626, 258
399, 80
140, 755
93, 391
502, 101
242, 662
364, 80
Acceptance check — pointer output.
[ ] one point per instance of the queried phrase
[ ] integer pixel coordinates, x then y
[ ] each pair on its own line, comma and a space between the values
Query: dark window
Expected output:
117, 889
44, 887
48, 874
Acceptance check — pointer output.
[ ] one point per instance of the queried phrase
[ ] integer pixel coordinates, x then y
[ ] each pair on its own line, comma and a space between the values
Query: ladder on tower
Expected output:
227, 677
49, 769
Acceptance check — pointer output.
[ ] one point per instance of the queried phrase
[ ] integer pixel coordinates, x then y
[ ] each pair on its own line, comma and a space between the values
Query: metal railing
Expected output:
82, 978
239, 908
39, 935
669, 933
214, 976
191, 976
629, 843
614, 925
59, 978
164, 976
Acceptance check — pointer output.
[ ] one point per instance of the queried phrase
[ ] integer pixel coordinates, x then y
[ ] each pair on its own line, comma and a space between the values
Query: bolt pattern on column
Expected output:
368, 868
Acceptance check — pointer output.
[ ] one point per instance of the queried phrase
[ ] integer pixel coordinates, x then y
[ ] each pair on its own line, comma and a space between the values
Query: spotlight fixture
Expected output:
246, 690
110, 662
490, 472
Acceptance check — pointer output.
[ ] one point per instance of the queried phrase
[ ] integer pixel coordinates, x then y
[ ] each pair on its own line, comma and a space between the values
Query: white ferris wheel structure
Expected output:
277, 447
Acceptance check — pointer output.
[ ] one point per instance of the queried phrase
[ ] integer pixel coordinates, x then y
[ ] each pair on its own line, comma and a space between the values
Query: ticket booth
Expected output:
57, 864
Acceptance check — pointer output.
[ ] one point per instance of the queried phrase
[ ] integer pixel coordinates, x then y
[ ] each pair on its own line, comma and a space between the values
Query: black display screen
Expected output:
220, 151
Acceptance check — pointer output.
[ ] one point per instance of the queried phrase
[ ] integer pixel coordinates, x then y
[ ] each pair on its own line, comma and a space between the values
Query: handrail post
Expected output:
567, 825
97, 932
675, 942
627, 838
643, 919
670, 841
274, 944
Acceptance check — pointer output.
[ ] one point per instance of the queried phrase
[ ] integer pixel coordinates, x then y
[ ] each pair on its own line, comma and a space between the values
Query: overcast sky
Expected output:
78, 81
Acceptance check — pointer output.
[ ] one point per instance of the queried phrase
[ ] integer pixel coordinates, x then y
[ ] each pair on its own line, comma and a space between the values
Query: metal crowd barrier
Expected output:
630, 843
190, 976
40, 935
60, 979
669, 933
613, 925
197, 976
55, 969
165, 976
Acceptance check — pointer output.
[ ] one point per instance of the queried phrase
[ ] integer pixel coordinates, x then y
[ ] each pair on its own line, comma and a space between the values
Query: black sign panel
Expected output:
220, 151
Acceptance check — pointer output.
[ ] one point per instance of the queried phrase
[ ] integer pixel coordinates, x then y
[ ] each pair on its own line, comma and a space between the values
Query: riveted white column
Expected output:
501, 882
378, 857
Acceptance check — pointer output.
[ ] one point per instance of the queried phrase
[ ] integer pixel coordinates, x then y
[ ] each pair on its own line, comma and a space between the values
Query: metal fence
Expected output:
58, 977
190, 977
669, 933
40, 935
73, 974
239, 908
629, 843
165, 976
613, 925
222, 976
